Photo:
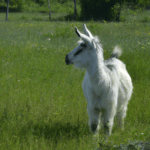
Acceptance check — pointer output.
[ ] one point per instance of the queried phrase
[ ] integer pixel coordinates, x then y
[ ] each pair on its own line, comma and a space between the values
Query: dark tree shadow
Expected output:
4, 9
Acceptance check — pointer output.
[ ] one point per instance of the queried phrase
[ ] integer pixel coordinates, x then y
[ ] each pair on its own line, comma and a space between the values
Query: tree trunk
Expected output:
75, 10
7, 10
118, 16
119, 12
49, 11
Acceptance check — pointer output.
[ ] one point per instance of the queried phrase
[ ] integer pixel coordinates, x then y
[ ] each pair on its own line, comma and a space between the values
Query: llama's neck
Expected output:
96, 65
97, 71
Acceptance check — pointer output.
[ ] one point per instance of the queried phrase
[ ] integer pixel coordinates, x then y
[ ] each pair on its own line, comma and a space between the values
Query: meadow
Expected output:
42, 106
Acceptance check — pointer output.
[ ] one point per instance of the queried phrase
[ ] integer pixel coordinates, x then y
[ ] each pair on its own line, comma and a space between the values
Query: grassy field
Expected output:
42, 106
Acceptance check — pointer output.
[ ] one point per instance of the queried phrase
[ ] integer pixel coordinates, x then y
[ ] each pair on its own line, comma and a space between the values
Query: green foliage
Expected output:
100, 10
17, 3
63, 6
139, 2
42, 103
41, 2
135, 15
106, 9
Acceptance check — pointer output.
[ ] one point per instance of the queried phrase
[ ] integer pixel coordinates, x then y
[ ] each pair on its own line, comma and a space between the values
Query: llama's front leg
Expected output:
108, 120
108, 124
93, 119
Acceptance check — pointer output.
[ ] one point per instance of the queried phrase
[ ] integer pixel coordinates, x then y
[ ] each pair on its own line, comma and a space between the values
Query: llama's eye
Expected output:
83, 44
79, 51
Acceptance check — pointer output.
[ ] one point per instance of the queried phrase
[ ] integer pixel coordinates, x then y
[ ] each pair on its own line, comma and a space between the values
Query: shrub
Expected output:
106, 9
41, 2
100, 10
17, 3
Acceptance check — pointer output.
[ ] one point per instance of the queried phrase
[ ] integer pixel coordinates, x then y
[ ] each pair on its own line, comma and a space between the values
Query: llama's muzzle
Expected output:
68, 62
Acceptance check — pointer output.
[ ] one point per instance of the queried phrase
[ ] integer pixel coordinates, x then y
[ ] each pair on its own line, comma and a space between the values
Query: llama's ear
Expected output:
77, 32
85, 38
87, 32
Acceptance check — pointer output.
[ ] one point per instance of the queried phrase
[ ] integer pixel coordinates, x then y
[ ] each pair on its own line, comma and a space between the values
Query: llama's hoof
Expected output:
93, 127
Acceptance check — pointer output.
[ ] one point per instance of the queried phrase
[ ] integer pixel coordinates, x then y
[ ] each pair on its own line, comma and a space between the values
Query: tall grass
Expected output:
42, 104
139, 15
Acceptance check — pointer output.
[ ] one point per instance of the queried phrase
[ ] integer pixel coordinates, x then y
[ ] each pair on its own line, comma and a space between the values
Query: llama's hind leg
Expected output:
120, 117
94, 119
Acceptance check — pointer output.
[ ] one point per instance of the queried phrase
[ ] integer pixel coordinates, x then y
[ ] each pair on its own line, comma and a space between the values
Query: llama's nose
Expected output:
67, 60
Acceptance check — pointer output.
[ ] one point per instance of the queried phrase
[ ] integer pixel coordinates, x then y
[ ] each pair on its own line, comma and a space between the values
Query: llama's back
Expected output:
125, 83
125, 89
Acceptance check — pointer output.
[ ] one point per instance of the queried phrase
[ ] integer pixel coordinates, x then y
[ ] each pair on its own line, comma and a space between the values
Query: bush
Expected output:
140, 3
106, 9
100, 10
41, 2
17, 3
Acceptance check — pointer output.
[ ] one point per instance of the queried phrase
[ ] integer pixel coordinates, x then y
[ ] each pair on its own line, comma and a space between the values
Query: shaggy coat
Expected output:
107, 86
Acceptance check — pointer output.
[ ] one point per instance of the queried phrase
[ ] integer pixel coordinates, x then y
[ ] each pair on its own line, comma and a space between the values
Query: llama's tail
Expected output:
116, 52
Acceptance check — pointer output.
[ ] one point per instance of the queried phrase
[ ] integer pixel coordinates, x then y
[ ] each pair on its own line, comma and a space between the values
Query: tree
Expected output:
7, 10
75, 10
106, 9
49, 10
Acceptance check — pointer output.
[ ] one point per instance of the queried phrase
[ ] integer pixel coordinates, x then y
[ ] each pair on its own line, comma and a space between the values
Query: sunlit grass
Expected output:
34, 16
139, 15
42, 103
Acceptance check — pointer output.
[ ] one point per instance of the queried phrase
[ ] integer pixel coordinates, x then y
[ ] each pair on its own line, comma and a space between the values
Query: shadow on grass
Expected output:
11, 9
55, 131
134, 145
45, 17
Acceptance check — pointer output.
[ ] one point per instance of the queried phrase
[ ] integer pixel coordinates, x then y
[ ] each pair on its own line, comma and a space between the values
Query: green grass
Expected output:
138, 15
40, 12
26, 16
42, 103
55, 7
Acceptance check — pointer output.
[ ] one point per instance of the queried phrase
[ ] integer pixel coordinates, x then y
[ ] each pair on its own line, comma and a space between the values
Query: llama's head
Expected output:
84, 53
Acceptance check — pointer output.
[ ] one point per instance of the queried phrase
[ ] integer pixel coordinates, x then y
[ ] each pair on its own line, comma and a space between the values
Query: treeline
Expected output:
22, 2
108, 9
20, 5
89, 9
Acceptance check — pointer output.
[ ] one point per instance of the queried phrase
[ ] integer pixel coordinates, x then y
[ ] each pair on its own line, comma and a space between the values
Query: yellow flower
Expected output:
148, 33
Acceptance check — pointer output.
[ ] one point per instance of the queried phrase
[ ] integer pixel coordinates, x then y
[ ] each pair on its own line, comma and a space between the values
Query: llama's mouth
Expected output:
68, 62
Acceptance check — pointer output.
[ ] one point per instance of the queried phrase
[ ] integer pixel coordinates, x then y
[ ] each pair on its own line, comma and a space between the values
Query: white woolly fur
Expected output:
107, 86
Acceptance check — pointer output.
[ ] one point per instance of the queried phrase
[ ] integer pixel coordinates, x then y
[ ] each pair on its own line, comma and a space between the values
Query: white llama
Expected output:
107, 86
